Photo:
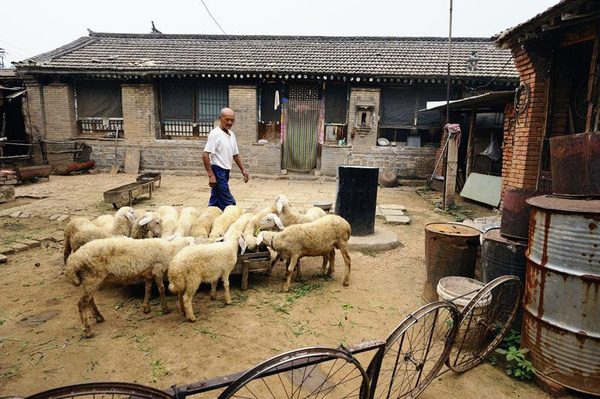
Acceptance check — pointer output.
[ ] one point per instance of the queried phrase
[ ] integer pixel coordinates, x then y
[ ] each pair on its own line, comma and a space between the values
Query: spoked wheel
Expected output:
485, 321
414, 352
99, 390
303, 373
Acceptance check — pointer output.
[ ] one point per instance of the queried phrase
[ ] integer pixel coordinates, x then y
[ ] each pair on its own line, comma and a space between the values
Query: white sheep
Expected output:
224, 221
146, 225
170, 217
289, 217
318, 238
254, 225
80, 230
202, 226
187, 217
105, 221
206, 263
127, 260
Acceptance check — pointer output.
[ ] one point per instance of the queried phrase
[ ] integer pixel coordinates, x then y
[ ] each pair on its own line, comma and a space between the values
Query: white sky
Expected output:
34, 26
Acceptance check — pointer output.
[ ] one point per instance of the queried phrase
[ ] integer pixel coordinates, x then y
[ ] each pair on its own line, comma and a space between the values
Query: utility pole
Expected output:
450, 163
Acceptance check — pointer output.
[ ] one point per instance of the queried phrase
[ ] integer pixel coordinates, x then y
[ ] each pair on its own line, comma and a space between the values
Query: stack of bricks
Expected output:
8, 177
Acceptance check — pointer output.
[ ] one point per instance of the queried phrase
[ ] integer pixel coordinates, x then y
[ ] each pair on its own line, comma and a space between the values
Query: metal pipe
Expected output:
447, 98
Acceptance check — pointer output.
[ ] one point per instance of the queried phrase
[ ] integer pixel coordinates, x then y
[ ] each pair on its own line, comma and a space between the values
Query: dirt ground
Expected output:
41, 345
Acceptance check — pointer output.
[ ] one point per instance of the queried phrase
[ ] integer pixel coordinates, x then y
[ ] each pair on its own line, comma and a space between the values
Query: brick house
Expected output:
295, 97
556, 54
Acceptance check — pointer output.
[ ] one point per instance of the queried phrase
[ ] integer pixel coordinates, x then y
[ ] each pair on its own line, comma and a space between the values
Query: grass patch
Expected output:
159, 370
367, 252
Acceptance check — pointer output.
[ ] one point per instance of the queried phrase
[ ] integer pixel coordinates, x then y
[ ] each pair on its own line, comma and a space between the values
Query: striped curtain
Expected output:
301, 135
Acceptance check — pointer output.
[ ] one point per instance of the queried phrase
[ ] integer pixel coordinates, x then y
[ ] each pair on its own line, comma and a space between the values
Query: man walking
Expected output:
221, 147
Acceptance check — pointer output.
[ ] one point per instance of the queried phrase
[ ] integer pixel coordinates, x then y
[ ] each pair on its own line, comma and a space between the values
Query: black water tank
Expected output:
357, 197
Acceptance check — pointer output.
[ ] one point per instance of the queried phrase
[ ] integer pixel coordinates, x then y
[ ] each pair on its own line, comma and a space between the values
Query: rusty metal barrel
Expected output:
501, 256
561, 305
356, 198
515, 213
450, 250
576, 164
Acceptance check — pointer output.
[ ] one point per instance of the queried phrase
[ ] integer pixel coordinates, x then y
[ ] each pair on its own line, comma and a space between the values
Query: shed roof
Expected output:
562, 14
151, 54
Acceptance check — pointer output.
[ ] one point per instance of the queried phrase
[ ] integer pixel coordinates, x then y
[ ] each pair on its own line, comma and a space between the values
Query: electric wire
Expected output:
491, 81
213, 18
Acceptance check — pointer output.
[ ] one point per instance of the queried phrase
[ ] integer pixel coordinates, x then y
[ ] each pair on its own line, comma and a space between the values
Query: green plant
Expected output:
159, 370
347, 306
516, 364
367, 252
305, 289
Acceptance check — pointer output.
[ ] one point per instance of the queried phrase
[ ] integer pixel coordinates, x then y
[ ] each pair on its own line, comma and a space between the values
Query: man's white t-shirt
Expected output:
222, 148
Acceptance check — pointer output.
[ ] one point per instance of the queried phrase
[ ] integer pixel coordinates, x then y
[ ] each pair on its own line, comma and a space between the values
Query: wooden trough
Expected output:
124, 195
251, 262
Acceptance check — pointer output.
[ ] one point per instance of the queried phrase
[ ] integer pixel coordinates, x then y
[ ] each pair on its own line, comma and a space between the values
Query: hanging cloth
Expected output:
276, 102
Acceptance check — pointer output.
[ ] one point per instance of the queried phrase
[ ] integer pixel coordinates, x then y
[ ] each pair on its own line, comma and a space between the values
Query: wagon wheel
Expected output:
102, 390
414, 352
485, 321
303, 373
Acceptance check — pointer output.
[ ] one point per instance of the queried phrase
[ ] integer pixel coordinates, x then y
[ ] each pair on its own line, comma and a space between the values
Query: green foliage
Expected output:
305, 289
516, 364
159, 370
347, 306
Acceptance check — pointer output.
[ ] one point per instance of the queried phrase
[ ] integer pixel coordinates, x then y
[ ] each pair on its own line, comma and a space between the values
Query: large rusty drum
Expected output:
515, 213
450, 250
561, 306
576, 164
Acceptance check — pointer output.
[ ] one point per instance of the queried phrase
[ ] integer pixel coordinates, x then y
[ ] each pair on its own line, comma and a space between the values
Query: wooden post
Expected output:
451, 170
245, 273
592, 81
469, 161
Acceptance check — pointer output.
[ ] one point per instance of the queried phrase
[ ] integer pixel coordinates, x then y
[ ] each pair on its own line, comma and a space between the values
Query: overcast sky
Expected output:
35, 26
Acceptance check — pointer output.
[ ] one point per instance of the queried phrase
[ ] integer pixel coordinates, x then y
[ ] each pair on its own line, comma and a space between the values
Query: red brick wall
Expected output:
521, 162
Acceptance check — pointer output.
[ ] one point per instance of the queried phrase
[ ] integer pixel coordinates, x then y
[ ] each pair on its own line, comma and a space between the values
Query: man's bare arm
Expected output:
212, 180
240, 164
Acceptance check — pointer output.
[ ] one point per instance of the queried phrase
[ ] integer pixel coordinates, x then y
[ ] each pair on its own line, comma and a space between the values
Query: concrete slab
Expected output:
381, 240
393, 212
392, 206
54, 217
28, 242
18, 247
3, 259
15, 215
397, 219
378, 211
6, 250
25, 214
62, 218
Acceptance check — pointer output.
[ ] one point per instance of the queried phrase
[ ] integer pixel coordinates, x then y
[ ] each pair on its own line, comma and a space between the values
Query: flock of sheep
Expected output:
193, 247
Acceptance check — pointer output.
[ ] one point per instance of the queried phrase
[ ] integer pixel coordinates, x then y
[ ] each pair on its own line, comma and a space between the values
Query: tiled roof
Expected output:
151, 54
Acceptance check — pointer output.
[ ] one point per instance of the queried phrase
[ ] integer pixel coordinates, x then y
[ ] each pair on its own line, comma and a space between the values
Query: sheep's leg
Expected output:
290, 271
298, 273
213, 289
331, 263
82, 305
66, 250
225, 279
96, 312
148, 291
187, 305
161, 290
274, 258
346, 256
181, 305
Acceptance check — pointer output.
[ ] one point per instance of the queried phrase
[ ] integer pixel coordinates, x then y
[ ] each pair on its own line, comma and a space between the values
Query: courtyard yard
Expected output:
41, 344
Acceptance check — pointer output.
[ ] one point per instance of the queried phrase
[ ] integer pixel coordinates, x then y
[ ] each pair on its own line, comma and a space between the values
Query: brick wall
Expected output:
243, 100
34, 108
408, 162
533, 66
140, 112
507, 142
59, 108
363, 95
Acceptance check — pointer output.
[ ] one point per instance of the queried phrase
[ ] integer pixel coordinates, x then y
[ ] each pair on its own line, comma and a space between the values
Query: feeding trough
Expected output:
124, 195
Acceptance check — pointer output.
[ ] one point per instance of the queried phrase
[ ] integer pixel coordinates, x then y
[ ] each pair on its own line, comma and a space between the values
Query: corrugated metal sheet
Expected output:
561, 324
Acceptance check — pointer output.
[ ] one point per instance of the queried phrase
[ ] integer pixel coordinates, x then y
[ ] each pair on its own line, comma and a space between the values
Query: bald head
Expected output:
227, 117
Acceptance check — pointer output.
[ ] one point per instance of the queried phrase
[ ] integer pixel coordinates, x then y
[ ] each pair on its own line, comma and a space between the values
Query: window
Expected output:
270, 95
99, 107
189, 109
336, 110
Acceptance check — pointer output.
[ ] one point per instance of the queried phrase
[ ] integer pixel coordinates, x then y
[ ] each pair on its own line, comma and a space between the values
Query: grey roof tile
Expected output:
423, 57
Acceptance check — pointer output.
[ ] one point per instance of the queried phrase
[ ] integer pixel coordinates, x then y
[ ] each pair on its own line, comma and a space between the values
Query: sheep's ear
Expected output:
278, 222
242, 243
130, 215
171, 238
279, 206
259, 238
219, 239
145, 221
